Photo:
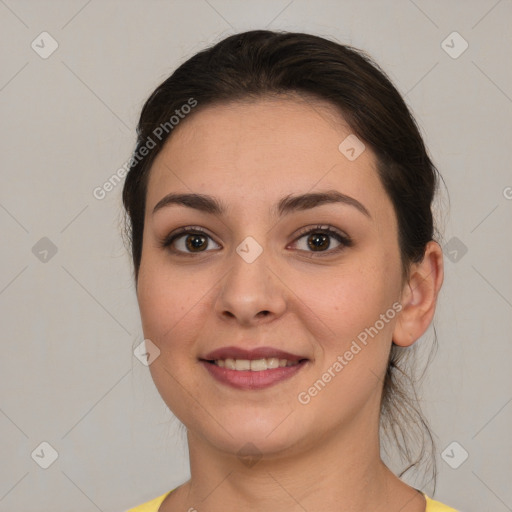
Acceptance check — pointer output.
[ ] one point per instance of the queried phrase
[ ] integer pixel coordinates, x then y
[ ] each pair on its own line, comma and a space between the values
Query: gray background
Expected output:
70, 319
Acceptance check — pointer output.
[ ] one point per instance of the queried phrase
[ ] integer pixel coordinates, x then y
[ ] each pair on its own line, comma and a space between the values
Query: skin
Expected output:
319, 456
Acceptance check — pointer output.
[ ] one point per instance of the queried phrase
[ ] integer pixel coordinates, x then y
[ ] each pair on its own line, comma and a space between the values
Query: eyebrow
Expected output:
286, 205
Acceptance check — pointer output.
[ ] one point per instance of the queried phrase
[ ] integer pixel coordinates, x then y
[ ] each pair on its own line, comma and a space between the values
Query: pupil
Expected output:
319, 238
198, 240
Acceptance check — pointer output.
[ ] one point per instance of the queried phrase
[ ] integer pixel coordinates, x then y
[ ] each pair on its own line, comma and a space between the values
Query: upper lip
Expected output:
255, 353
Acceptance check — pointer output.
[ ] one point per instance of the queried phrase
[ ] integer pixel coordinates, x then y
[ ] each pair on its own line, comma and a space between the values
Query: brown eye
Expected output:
188, 241
319, 240
193, 242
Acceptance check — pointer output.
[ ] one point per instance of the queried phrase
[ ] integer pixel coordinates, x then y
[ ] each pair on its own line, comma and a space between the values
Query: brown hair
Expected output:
260, 63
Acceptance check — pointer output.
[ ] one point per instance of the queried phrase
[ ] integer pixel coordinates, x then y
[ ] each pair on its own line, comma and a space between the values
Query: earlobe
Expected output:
419, 297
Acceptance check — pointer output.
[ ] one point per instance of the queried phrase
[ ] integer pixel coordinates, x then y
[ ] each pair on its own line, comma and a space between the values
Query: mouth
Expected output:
252, 369
253, 365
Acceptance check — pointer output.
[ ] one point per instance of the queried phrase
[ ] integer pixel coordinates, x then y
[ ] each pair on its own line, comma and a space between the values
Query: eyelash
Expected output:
344, 240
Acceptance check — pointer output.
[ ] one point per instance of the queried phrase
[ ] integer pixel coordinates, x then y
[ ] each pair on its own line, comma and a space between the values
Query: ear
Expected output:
419, 296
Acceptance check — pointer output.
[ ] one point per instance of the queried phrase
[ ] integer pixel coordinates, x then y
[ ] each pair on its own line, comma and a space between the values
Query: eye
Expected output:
190, 240
318, 240
194, 240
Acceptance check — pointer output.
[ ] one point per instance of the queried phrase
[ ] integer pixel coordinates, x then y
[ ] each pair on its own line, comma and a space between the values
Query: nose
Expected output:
251, 292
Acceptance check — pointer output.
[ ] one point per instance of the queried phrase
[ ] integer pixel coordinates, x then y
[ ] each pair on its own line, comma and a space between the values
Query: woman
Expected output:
280, 221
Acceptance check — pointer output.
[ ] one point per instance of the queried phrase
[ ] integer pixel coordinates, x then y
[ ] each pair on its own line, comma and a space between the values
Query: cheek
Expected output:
172, 309
352, 356
172, 301
345, 299
355, 306
155, 300
158, 293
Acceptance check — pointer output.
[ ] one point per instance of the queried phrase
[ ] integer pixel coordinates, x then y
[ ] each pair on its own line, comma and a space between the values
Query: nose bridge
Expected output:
250, 286
248, 268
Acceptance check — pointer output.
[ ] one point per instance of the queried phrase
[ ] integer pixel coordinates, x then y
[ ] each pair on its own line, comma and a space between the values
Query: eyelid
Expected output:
168, 240
341, 237
327, 228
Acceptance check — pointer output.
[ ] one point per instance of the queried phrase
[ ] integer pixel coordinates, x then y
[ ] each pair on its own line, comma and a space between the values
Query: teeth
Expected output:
242, 364
256, 365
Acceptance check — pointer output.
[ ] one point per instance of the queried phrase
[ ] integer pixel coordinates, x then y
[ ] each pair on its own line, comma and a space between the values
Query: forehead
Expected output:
260, 150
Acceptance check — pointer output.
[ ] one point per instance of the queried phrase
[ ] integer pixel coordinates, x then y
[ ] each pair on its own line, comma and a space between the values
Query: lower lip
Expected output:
247, 379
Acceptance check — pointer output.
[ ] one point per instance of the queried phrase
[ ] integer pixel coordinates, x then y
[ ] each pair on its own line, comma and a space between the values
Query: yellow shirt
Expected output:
154, 504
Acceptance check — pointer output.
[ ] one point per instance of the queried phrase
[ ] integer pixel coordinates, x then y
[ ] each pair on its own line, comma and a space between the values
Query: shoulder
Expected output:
436, 506
150, 506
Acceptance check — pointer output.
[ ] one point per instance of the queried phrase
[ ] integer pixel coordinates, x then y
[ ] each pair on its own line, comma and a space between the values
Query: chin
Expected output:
270, 437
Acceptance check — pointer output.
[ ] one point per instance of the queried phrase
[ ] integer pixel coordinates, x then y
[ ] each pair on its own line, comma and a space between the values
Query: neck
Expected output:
331, 475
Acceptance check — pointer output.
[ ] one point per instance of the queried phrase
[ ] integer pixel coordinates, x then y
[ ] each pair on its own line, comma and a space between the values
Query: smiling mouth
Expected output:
254, 365
253, 374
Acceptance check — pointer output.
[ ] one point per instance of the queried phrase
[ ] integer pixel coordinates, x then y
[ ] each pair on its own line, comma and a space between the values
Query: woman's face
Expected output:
256, 277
